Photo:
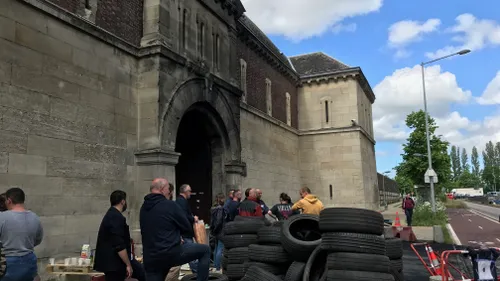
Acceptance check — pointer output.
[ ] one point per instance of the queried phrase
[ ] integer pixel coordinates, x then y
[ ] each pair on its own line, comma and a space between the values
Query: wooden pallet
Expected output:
69, 268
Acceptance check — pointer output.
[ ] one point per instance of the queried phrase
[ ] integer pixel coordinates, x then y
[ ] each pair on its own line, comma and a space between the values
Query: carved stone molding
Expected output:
150, 157
235, 167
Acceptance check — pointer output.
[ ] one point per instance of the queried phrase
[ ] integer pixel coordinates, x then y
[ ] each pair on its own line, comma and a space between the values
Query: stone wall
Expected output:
270, 151
67, 123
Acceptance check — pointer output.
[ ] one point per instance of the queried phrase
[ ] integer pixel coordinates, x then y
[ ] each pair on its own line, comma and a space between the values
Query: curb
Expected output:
454, 236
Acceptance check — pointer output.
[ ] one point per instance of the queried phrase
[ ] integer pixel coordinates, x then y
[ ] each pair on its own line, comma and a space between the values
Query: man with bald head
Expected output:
263, 205
250, 207
162, 225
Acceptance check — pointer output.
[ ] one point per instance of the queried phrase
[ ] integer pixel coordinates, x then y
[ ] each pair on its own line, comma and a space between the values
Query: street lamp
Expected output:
383, 188
430, 172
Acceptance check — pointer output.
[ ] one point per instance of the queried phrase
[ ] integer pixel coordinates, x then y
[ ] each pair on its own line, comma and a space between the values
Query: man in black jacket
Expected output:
113, 249
162, 224
184, 195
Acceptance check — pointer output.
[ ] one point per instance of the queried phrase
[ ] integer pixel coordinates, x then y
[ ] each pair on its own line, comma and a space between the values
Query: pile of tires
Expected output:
238, 236
353, 245
283, 250
394, 251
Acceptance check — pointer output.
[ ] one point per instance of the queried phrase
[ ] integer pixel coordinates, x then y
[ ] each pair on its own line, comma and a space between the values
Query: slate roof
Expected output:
261, 36
316, 63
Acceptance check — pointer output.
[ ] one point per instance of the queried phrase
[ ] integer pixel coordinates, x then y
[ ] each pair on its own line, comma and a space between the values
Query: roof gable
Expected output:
316, 63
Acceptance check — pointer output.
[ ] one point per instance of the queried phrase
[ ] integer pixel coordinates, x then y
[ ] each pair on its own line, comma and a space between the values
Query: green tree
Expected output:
465, 161
474, 158
405, 184
455, 163
459, 162
489, 166
413, 166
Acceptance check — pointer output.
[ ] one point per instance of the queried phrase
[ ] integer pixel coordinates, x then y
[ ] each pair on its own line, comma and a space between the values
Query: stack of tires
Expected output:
269, 254
353, 245
238, 236
394, 251
283, 250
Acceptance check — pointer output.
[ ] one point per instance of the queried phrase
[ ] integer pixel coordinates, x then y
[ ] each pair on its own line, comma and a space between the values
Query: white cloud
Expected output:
299, 19
404, 32
491, 94
470, 33
401, 93
344, 27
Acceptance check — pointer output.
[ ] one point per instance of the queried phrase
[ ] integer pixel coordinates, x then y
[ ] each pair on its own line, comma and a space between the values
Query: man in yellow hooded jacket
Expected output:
310, 204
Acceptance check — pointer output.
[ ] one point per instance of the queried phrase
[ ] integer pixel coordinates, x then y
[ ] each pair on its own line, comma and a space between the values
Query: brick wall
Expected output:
258, 69
122, 18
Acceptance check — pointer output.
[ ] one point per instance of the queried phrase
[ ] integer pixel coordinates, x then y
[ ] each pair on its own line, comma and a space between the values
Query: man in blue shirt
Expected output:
182, 202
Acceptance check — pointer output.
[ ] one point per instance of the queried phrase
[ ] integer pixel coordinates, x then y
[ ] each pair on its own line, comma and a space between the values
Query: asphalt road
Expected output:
492, 212
474, 227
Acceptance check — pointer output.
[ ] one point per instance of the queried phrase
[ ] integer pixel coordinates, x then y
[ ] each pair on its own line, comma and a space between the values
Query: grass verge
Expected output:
455, 204
423, 216
447, 235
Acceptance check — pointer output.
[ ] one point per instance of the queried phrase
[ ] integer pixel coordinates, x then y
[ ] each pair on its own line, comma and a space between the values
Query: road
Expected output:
477, 226
492, 212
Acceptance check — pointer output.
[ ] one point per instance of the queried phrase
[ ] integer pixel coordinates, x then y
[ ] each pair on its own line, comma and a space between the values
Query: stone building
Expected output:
98, 95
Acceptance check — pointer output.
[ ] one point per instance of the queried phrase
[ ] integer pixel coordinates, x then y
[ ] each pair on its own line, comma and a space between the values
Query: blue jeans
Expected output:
218, 254
189, 252
22, 268
193, 265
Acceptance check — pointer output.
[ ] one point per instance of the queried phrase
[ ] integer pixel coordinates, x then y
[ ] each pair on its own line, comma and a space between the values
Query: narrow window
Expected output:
216, 51
184, 29
288, 110
201, 40
87, 5
269, 100
327, 115
243, 78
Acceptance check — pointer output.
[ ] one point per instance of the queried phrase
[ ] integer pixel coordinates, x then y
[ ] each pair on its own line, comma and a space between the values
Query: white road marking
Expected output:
470, 220
454, 236
489, 243
480, 227
484, 216
498, 240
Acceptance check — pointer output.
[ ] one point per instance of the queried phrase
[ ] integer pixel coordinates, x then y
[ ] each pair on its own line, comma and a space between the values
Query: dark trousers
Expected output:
189, 252
138, 273
409, 215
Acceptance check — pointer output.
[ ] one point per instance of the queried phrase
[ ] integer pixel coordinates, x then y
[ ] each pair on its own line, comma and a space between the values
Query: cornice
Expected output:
150, 157
337, 131
233, 7
355, 73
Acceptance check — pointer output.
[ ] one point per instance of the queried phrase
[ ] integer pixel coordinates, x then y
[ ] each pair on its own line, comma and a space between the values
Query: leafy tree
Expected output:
455, 163
490, 166
465, 161
405, 184
474, 158
459, 163
413, 165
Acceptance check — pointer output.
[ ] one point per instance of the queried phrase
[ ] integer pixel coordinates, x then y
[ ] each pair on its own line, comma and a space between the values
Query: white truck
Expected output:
467, 192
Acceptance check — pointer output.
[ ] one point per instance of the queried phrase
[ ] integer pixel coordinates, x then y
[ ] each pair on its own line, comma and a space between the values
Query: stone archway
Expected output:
198, 123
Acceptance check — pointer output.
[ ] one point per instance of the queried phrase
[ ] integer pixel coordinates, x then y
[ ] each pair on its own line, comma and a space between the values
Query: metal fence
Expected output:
389, 189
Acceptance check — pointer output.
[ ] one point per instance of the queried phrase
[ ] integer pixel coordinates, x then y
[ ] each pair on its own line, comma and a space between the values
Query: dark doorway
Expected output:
195, 140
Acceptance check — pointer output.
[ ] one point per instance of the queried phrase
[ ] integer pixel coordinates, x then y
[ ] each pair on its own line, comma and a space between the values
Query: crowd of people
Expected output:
166, 225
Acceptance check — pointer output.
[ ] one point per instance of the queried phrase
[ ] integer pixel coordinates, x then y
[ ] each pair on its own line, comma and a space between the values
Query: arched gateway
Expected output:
200, 124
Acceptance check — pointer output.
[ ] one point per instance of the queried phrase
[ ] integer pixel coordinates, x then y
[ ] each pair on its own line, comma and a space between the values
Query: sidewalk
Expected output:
424, 233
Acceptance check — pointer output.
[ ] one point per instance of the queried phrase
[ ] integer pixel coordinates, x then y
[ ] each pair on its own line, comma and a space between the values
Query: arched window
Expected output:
243, 79
288, 110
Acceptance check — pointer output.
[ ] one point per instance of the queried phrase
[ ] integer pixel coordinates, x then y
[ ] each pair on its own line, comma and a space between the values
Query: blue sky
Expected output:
388, 39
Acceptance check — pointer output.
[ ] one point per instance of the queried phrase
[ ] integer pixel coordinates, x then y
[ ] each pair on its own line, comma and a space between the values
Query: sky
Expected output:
389, 39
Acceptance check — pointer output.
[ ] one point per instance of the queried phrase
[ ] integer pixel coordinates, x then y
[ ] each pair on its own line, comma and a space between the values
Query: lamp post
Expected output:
383, 188
430, 172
